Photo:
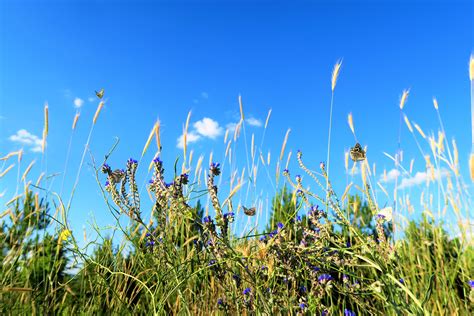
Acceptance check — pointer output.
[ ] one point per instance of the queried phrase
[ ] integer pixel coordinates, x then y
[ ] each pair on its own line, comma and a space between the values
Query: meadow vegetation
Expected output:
321, 252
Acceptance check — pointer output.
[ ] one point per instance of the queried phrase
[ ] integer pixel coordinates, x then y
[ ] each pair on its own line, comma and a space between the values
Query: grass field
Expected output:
321, 253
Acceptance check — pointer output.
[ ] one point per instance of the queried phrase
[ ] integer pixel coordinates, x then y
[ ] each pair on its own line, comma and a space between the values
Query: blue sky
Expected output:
161, 59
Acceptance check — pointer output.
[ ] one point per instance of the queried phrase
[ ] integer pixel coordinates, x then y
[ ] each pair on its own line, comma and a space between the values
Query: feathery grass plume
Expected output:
284, 143
288, 160
157, 135
227, 150
403, 99
14, 199
363, 170
46, 118
456, 158
74, 122
46, 127
418, 128
262, 159
351, 123
440, 142
150, 137
4, 172
268, 118
40, 178
37, 206
242, 117
27, 170
185, 136
97, 112
407, 122
435, 103
10, 154
237, 130
384, 175
471, 68
335, 74
226, 135
411, 165
268, 158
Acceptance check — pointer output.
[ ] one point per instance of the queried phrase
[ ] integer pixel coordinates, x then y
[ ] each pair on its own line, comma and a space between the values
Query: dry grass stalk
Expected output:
403, 99
335, 74
284, 143
74, 122
27, 170
351, 123
97, 112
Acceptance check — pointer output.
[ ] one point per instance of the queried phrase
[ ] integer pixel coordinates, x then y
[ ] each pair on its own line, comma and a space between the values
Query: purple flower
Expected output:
151, 181
185, 178
303, 305
348, 312
325, 277
132, 161
402, 281
303, 289
280, 225
325, 313
212, 262
207, 219
107, 183
157, 160
247, 291
380, 216
298, 178
298, 218
220, 301
215, 168
229, 216
263, 238
471, 284
286, 172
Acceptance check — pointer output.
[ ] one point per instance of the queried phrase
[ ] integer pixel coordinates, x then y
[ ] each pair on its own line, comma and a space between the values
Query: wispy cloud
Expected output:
421, 177
190, 138
254, 122
391, 176
26, 138
353, 170
78, 103
207, 127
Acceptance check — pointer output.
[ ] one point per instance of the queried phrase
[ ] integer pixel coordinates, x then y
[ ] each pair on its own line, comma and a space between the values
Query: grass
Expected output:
338, 258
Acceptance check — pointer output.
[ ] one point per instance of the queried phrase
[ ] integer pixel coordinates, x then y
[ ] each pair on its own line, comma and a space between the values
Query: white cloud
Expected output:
204, 95
254, 122
391, 175
26, 138
78, 103
207, 127
353, 170
421, 177
190, 138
